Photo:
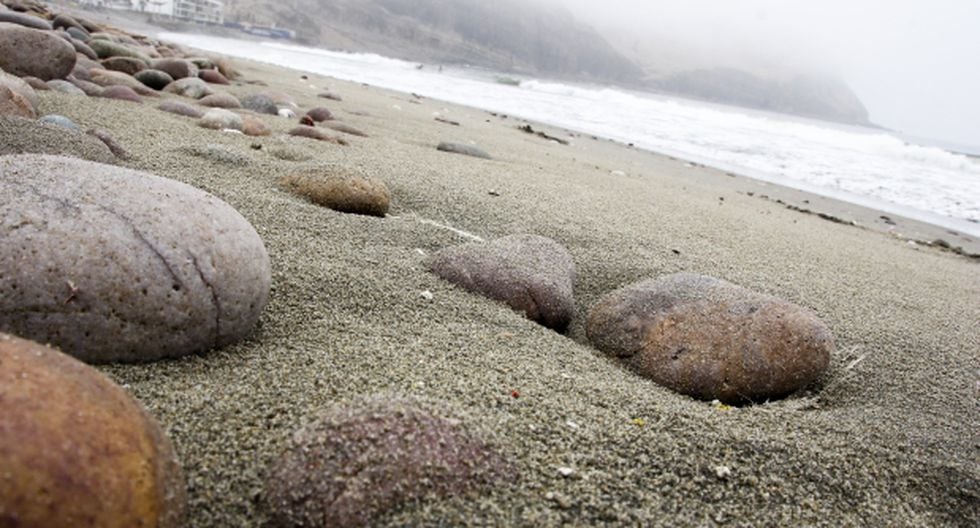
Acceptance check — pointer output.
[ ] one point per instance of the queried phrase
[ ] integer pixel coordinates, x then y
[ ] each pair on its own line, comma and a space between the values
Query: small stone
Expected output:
61, 121
329, 95
320, 114
114, 447
566, 472
315, 133
710, 339
427, 295
29, 52
111, 264
123, 93
176, 68
220, 119
24, 20
360, 461
191, 87
20, 87
253, 126
127, 65
530, 273
260, 103
340, 189
88, 88
13, 104
288, 113
106, 78
80, 35
459, 148
220, 100
212, 76
226, 68
84, 49
723, 472
344, 127
65, 22
155, 79
105, 49
36, 84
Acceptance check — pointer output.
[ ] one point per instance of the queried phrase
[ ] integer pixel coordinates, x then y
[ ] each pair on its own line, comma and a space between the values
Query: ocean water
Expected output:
866, 166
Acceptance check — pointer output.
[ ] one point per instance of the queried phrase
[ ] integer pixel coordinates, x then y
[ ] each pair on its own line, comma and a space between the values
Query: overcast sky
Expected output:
914, 63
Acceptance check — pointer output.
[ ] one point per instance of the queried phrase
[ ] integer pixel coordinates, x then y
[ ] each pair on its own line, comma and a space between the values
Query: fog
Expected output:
913, 63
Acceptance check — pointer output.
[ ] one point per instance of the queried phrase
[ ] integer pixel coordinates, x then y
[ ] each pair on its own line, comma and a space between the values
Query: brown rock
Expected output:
114, 78
20, 87
64, 21
13, 104
253, 126
307, 120
320, 114
24, 20
81, 47
77, 449
360, 461
329, 95
176, 68
344, 127
530, 273
37, 84
226, 68
710, 339
212, 76
91, 89
112, 264
127, 65
29, 52
123, 93
181, 108
340, 189
220, 100
315, 133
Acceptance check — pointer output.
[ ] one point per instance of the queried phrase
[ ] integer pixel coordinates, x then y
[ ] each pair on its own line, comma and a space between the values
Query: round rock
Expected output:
220, 100
29, 52
156, 79
320, 114
111, 264
59, 85
127, 65
253, 126
221, 119
212, 76
191, 87
362, 460
77, 449
340, 189
176, 68
315, 133
105, 49
260, 103
710, 339
530, 273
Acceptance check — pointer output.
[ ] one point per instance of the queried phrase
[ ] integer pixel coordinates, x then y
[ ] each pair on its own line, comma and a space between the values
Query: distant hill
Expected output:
522, 37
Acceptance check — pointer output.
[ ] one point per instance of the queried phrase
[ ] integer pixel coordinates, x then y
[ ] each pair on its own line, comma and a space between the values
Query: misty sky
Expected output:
914, 63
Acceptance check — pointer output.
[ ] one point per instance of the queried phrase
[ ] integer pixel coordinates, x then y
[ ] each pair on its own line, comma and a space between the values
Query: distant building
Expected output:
207, 11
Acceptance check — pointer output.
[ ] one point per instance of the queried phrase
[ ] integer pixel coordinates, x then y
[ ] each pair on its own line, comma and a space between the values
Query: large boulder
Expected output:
28, 52
532, 274
111, 264
340, 189
360, 461
710, 339
77, 450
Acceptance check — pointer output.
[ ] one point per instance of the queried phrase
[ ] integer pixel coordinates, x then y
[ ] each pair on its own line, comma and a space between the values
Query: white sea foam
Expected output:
865, 166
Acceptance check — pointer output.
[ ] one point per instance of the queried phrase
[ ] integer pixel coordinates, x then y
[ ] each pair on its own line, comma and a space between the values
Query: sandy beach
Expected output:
887, 437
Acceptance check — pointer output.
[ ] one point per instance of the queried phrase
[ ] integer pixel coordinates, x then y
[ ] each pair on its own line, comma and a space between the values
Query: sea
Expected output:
871, 167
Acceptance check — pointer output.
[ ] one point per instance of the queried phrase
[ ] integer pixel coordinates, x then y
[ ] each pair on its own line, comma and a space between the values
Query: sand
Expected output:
888, 437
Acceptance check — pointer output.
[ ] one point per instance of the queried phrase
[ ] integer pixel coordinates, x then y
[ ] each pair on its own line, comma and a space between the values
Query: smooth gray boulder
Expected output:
532, 274
711, 339
111, 264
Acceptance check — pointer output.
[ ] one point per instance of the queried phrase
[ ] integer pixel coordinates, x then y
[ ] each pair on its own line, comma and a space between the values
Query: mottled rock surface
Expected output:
531, 273
340, 189
111, 264
77, 450
710, 339
29, 52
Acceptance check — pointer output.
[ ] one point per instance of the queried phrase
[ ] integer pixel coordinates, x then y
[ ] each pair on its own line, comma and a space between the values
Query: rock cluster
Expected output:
532, 274
77, 450
710, 339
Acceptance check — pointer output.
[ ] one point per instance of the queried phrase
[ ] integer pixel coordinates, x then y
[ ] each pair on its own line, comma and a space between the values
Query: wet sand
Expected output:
887, 437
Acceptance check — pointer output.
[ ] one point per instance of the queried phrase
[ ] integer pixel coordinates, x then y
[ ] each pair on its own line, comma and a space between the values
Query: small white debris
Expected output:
287, 113
571, 424
723, 472
566, 471
420, 251
618, 173
427, 295
232, 131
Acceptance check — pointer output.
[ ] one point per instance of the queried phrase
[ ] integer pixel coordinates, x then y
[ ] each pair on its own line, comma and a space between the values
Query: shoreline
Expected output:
884, 437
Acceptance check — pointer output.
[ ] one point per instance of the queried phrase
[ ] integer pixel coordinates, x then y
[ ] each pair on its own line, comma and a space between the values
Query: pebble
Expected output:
29, 52
320, 114
220, 100
176, 68
191, 87
260, 103
127, 65
106, 78
155, 79
212, 76
114, 448
459, 148
61, 121
27, 21
340, 189
253, 126
13, 104
105, 49
123, 93
20, 87
288, 113
111, 264
710, 339
219, 118
315, 133
530, 273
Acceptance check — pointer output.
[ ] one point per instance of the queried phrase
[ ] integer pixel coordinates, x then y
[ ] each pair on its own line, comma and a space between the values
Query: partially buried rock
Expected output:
220, 100
320, 114
345, 128
29, 52
176, 68
532, 274
81, 47
329, 95
212, 76
105, 49
156, 79
191, 87
181, 108
20, 87
127, 65
221, 119
123, 93
253, 126
89, 88
360, 461
458, 148
66, 87
78, 450
60, 120
315, 133
340, 189
260, 103
109, 141
111, 264
13, 104
19, 136
710, 339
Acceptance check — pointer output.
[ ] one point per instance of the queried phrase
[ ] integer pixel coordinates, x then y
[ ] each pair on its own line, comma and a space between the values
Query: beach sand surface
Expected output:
889, 436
